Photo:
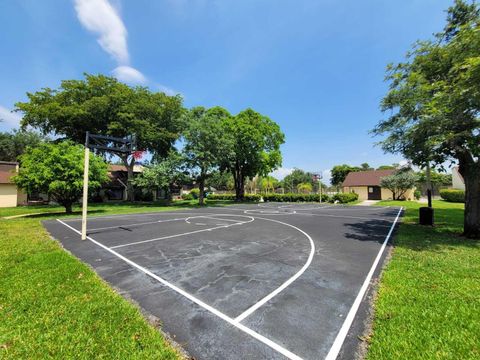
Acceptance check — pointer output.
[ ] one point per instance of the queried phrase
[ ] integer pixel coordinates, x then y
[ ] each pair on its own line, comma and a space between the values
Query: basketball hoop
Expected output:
116, 145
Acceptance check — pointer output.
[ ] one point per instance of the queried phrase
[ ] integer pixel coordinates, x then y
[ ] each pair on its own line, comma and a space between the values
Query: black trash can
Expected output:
426, 216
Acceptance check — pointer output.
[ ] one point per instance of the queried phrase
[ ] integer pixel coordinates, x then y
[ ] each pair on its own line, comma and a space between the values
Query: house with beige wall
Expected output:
367, 185
10, 195
457, 179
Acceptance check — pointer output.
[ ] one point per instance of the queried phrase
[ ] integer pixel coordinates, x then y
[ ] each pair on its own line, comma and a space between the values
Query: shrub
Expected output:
453, 195
295, 197
221, 196
273, 197
195, 193
344, 198
142, 194
188, 196
231, 197
417, 194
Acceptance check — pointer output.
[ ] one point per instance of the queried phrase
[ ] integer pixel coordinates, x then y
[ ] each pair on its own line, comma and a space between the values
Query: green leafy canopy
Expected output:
57, 169
256, 141
103, 105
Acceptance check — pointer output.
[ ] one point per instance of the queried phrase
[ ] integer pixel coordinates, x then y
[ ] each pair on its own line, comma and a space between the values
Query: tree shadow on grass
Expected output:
410, 235
437, 238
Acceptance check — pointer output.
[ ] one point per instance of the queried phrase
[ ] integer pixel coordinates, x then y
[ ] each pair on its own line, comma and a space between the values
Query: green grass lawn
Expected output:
54, 306
428, 304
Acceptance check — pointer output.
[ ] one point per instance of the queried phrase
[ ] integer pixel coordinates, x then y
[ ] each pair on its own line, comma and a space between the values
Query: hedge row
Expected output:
247, 197
342, 198
453, 195
295, 197
192, 195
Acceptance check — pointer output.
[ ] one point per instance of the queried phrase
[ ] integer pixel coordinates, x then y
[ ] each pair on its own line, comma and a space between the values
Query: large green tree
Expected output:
296, 177
434, 101
204, 144
340, 172
268, 184
399, 183
103, 105
436, 178
57, 169
221, 181
13, 144
366, 167
388, 167
163, 173
305, 188
255, 147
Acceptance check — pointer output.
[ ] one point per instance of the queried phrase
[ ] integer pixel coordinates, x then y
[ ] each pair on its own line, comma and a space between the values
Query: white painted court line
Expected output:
215, 218
197, 301
313, 207
342, 334
234, 208
182, 234
135, 224
101, 217
345, 216
187, 220
268, 212
282, 287
357, 207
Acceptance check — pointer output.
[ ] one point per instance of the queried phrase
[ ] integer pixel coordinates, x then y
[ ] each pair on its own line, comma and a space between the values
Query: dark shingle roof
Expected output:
7, 170
366, 178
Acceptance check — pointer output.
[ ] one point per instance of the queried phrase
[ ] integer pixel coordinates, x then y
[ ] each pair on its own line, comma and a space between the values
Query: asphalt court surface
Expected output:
248, 281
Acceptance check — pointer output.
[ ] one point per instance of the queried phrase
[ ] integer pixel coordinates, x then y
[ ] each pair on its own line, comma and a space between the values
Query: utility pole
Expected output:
104, 143
426, 214
318, 177
429, 184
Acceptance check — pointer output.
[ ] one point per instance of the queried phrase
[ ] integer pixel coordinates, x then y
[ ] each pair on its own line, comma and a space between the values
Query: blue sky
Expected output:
314, 66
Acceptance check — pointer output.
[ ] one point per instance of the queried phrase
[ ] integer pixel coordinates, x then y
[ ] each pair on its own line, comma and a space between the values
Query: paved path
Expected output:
368, 202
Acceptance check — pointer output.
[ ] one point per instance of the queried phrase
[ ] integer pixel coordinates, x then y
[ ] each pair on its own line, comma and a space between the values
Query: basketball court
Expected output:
250, 281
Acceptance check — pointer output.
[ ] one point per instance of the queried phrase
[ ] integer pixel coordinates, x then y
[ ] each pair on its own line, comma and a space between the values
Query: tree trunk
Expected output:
201, 188
240, 190
239, 184
393, 193
129, 165
68, 208
471, 176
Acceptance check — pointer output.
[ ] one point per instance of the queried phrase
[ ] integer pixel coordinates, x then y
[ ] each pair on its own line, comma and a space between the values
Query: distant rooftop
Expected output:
366, 178
115, 167
7, 170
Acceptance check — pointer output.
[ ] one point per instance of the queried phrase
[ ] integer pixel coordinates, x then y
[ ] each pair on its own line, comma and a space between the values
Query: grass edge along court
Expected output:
428, 301
54, 306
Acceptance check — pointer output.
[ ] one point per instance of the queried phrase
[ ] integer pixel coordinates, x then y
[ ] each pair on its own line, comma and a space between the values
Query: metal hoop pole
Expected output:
85, 189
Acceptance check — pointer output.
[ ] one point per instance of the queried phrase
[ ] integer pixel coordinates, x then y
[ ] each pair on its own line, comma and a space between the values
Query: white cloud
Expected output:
129, 75
166, 90
9, 119
100, 17
103, 19
280, 173
326, 176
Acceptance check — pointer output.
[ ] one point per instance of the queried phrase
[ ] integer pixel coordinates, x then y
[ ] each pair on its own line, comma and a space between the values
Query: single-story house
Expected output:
367, 185
457, 179
116, 188
10, 195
